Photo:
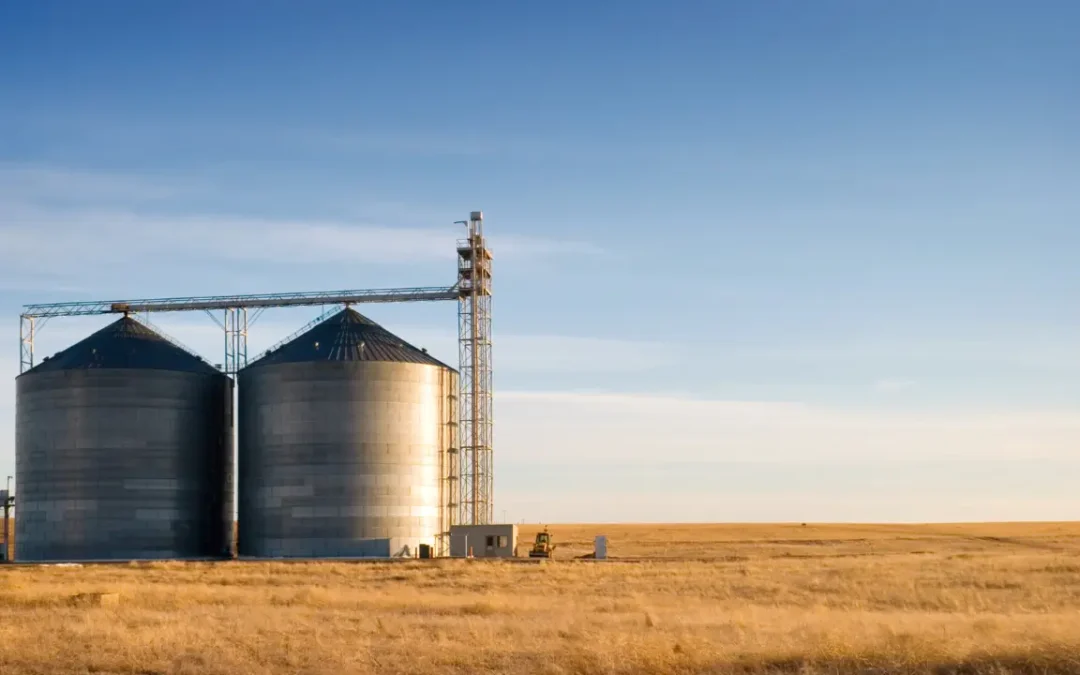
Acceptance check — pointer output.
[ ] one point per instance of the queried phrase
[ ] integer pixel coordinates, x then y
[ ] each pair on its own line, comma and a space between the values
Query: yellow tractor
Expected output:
543, 547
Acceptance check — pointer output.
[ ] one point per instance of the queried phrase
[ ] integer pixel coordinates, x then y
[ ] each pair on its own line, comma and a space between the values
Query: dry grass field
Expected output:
676, 599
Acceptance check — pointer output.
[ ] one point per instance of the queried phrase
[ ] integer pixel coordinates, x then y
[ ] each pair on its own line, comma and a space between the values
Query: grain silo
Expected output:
123, 451
347, 437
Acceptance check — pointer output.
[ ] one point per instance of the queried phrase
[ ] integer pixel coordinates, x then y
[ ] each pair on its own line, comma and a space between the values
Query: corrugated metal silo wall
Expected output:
123, 464
342, 459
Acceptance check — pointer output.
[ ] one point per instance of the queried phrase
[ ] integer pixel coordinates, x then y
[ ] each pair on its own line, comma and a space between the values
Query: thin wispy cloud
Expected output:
102, 236
400, 142
119, 235
422, 143
1029, 349
891, 385
611, 504
88, 220
391, 143
528, 354
619, 427
33, 183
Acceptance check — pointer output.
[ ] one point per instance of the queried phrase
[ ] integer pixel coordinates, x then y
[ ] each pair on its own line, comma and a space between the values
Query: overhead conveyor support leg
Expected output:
26, 342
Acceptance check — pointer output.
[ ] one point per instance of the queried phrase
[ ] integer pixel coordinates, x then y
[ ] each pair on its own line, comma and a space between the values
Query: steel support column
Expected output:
476, 409
236, 334
26, 342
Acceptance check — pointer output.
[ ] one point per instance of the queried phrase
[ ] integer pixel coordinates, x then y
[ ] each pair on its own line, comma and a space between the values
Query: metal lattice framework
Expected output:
234, 319
472, 293
474, 340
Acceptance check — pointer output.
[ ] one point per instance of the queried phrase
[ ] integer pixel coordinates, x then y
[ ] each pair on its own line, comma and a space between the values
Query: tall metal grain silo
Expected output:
124, 451
346, 445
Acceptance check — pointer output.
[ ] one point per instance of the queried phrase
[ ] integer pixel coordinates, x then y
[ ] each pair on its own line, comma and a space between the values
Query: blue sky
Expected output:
752, 258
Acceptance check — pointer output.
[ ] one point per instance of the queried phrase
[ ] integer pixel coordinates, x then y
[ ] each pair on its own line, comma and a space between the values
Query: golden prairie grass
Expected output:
676, 599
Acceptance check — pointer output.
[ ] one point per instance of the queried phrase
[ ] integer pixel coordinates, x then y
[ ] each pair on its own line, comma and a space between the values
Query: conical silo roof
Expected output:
347, 336
125, 343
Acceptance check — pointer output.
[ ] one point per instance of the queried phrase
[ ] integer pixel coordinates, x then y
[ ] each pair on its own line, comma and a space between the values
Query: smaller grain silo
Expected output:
347, 437
124, 451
